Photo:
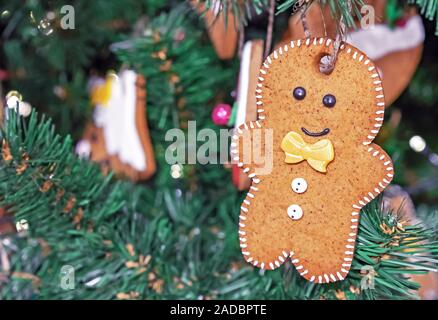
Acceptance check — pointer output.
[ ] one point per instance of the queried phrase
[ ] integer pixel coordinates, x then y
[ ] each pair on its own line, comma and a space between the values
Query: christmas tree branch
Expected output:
428, 8
134, 243
344, 9
169, 238
347, 10
340, 9
242, 10
65, 192
173, 59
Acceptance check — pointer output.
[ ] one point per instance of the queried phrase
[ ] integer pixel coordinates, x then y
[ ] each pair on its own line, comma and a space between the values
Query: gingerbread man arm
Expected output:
379, 164
251, 149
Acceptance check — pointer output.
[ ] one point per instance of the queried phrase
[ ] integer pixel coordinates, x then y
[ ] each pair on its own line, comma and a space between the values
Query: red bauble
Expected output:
221, 114
4, 75
401, 23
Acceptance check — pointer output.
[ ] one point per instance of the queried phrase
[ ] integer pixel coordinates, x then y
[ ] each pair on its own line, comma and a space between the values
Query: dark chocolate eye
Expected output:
329, 100
299, 93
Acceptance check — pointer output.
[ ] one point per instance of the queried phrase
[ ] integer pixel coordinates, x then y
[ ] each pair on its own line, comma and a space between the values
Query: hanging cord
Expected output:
323, 20
303, 18
270, 29
329, 65
241, 39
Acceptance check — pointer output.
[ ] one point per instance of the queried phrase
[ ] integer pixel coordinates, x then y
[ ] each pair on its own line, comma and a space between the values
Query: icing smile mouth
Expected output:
315, 134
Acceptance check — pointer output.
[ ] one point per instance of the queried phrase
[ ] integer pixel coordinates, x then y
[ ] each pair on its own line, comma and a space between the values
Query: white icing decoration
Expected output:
299, 185
295, 212
117, 119
381, 40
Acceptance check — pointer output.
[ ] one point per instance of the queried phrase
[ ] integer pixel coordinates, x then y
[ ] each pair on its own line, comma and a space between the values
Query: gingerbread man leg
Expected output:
257, 162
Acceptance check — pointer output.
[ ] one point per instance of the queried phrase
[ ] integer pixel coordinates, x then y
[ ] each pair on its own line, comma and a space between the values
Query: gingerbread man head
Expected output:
299, 97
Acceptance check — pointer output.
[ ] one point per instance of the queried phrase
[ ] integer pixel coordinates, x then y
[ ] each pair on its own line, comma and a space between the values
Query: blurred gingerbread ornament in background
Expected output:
393, 42
221, 27
252, 58
118, 137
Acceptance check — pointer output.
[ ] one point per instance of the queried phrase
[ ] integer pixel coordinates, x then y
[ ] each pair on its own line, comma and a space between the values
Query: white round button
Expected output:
299, 185
295, 212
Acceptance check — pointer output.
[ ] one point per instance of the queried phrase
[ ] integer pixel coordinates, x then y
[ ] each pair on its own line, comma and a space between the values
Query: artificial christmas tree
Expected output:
175, 235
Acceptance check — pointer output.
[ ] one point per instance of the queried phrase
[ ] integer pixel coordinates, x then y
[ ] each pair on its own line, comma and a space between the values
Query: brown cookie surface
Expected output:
292, 210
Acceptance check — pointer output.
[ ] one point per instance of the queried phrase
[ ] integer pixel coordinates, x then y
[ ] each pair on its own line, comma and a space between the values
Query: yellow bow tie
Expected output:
318, 155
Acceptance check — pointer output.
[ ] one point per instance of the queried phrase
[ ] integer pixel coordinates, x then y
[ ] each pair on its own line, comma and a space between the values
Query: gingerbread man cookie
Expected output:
118, 138
317, 130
